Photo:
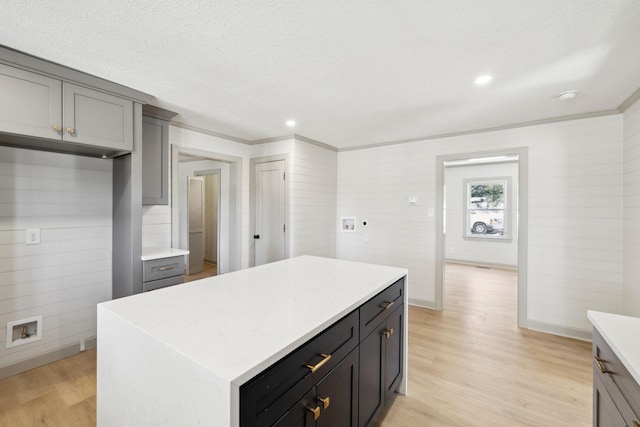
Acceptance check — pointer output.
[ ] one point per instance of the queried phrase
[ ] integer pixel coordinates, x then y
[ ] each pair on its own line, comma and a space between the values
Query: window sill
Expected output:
486, 238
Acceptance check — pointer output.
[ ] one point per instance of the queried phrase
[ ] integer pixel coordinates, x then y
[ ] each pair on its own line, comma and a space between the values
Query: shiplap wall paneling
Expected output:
313, 195
566, 160
63, 278
631, 291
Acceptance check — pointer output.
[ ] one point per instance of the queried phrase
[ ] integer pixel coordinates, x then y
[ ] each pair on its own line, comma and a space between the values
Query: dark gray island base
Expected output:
345, 376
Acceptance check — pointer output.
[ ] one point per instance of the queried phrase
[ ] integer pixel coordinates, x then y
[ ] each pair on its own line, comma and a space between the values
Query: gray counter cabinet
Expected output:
616, 395
40, 106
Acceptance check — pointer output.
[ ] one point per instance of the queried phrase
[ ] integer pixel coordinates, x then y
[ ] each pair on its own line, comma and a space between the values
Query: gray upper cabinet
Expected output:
32, 103
44, 107
97, 118
155, 161
155, 155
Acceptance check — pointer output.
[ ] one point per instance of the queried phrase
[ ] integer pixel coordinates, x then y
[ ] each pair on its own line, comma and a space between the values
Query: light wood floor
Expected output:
468, 366
209, 271
471, 366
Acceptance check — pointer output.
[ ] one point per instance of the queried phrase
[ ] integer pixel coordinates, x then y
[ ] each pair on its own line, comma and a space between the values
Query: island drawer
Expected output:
380, 307
264, 399
618, 381
162, 268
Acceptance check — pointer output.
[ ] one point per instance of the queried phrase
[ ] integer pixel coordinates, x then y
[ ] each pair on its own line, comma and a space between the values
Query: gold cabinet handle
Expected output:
171, 267
57, 128
388, 332
325, 402
315, 411
71, 131
326, 358
636, 424
603, 369
387, 305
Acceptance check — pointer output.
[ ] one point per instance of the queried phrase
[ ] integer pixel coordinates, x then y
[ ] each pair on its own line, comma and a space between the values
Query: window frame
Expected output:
505, 181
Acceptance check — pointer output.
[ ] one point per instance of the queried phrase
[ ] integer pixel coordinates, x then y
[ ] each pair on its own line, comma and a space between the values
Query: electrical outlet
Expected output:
33, 236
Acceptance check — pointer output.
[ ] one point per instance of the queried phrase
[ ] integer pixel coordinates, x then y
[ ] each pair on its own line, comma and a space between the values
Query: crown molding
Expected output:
485, 130
635, 96
209, 132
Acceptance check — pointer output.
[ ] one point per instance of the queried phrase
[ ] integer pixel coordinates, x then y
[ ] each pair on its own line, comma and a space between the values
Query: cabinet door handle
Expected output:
387, 305
170, 267
325, 359
71, 131
315, 411
57, 128
388, 332
325, 402
603, 369
636, 424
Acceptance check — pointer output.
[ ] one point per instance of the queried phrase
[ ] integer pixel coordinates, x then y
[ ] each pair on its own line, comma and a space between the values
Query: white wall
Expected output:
575, 219
631, 294
489, 250
70, 199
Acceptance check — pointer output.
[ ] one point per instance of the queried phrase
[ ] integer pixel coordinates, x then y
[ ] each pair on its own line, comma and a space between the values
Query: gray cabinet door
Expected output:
31, 103
155, 161
97, 118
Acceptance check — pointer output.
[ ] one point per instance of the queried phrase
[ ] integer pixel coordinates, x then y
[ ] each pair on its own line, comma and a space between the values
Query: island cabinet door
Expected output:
332, 402
393, 334
302, 414
337, 394
381, 365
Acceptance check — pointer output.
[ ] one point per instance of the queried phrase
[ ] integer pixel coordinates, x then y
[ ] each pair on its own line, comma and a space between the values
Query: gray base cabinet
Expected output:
162, 272
345, 376
616, 395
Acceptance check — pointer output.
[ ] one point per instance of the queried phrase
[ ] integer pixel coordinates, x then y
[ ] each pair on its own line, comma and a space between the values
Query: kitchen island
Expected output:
181, 355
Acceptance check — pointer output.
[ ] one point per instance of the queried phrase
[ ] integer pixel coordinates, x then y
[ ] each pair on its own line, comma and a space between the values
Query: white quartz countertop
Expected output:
621, 333
149, 254
238, 324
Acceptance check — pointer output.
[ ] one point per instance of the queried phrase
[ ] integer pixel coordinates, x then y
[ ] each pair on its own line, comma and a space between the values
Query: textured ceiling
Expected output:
349, 72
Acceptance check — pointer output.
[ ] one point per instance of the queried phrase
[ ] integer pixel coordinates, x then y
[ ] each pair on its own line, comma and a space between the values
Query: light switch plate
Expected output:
33, 236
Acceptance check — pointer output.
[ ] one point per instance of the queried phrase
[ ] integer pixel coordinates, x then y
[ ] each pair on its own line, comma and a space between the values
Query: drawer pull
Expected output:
325, 402
170, 267
603, 369
326, 358
315, 411
387, 305
388, 332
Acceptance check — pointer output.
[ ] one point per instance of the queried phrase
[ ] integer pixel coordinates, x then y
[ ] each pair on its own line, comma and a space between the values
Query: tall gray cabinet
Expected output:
50, 107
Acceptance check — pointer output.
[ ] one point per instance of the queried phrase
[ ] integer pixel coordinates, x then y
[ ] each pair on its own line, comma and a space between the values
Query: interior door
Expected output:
270, 227
195, 205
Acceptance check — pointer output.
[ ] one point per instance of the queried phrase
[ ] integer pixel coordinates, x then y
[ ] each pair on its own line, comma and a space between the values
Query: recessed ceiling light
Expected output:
567, 95
291, 123
483, 79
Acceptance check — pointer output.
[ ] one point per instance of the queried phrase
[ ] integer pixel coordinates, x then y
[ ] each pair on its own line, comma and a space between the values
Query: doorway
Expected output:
213, 237
518, 222
269, 210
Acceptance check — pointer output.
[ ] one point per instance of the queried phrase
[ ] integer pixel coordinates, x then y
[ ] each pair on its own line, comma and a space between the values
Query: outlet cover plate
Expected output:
33, 236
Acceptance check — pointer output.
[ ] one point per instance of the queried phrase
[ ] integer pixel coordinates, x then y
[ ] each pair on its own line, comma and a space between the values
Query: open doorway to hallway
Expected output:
482, 216
206, 194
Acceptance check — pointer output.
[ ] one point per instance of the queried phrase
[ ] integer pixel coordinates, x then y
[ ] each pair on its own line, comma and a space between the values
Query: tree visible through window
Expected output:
486, 208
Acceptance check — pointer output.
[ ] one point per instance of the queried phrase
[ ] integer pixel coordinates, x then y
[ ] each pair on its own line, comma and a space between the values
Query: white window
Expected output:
487, 208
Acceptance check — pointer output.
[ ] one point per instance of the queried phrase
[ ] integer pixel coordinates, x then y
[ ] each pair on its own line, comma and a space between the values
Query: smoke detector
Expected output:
567, 95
